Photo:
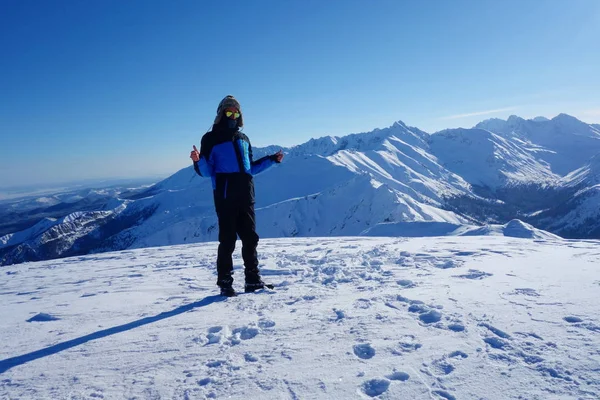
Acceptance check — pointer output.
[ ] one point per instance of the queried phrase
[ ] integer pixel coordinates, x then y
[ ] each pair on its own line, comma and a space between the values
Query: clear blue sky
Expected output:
101, 88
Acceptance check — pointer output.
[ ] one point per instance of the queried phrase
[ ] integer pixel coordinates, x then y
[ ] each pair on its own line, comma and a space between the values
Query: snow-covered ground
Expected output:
421, 318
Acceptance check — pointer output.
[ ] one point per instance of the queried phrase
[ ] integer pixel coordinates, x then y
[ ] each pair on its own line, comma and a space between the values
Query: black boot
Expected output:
226, 287
228, 291
251, 287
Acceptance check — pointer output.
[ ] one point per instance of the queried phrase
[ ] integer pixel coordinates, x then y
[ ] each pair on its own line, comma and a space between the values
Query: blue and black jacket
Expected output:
226, 157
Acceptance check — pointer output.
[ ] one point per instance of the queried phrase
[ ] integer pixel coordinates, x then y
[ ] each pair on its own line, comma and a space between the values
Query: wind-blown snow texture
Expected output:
421, 318
542, 172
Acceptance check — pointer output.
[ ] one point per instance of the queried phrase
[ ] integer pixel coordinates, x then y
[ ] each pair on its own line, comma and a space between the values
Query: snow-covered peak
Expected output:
514, 120
514, 124
496, 125
365, 141
539, 119
564, 123
484, 158
567, 117
400, 124
562, 142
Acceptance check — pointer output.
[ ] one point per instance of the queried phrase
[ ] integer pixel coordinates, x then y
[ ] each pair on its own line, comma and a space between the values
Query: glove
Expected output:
277, 157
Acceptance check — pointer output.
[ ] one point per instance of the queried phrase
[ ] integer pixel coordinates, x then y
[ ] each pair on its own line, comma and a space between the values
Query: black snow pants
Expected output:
236, 218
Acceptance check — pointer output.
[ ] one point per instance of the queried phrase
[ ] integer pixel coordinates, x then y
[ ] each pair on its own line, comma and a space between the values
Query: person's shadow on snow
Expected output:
8, 363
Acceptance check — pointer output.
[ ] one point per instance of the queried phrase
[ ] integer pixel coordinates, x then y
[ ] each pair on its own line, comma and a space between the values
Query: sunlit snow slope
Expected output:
422, 318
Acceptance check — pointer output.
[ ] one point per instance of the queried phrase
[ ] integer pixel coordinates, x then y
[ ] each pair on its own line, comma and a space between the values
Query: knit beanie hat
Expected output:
229, 101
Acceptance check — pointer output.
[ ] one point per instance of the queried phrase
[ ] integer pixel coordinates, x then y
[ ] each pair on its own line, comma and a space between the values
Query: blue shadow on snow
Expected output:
9, 363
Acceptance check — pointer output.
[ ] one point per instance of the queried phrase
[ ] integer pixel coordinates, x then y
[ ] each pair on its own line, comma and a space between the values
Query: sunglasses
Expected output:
232, 113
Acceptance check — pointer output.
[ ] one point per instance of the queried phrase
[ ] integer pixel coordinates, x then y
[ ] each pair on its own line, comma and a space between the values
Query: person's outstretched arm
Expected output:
263, 163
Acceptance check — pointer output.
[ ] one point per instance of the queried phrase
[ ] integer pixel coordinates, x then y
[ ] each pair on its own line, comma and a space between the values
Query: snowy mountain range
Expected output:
397, 181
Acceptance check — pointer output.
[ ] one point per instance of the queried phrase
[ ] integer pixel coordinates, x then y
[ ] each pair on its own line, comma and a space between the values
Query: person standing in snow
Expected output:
226, 157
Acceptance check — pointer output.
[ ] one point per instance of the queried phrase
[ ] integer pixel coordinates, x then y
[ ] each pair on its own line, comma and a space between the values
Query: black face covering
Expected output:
225, 125
231, 123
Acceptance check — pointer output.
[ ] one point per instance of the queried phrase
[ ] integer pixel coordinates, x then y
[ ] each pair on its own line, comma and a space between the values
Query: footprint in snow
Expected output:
266, 323
406, 283
529, 358
495, 342
474, 274
405, 262
530, 334
572, 319
431, 317
300, 299
418, 307
215, 363
465, 253
444, 394
426, 314
364, 351
458, 354
526, 292
456, 327
205, 381
404, 347
495, 330
362, 304
375, 387
556, 373
442, 367
398, 376
592, 327
246, 332
339, 315
578, 322
215, 335
447, 264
